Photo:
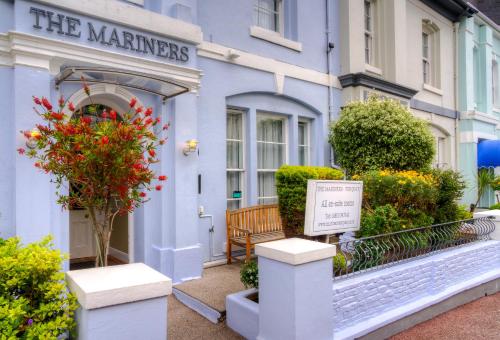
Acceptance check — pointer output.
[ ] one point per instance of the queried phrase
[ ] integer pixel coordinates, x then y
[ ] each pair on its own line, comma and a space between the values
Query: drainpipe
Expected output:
211, 232
456, 89
329, 48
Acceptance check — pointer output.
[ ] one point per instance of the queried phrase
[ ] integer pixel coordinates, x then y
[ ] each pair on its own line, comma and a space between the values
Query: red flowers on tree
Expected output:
92, 158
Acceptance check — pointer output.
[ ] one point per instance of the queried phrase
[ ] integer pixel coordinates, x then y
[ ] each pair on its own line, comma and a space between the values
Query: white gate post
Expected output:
295, 290
121, 302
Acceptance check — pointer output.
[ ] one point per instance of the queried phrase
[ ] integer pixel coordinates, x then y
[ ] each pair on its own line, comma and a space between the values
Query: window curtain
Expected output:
270, 156
265, 14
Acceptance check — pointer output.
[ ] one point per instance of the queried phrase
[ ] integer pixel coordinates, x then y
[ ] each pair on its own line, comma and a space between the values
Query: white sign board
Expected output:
332, 207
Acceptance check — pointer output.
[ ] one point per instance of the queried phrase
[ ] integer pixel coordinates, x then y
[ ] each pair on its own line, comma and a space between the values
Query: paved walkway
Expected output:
479, 319
186, 324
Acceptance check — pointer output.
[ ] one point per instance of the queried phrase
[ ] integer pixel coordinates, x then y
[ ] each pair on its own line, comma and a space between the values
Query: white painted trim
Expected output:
120, 255
39, 52
295, 251
432, 89
219, 52
474, 136
373, 69
113, 285
275, 38
132, 16
480, 116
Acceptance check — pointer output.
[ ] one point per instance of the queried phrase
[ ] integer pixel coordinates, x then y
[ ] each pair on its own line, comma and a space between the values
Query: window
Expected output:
271, 154
440, 153
494, 83
425, 58
234, 159
303, 143
369, 32
476, 82
268, 14
430, 54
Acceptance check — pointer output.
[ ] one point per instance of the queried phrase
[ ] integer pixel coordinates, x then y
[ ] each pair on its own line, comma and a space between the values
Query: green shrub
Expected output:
463, 213
450, 186
291, 185
411, 194
383, 219
339, 264
495, 206
369, 253
249, 274
381, 134
34, 302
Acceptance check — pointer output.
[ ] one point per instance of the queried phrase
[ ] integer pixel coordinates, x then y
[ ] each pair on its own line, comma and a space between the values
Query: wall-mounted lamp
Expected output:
190, 147
31, 142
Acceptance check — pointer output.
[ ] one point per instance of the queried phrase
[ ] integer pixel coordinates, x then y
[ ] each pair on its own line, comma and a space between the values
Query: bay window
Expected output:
271, 154
303, 143
235, 169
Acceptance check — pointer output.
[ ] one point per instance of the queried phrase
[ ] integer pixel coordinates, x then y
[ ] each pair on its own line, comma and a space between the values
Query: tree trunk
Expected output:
102, 232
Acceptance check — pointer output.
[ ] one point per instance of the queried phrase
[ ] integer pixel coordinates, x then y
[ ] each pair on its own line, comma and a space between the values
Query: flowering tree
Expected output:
100, 161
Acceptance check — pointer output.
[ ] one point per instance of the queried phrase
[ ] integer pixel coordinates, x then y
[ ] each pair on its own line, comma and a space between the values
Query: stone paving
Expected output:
476, 320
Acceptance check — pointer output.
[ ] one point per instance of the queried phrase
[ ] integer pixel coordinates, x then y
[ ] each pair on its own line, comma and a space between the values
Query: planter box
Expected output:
243, 313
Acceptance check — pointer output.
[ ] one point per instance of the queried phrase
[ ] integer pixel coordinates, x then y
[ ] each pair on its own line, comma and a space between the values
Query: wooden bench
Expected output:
248, 226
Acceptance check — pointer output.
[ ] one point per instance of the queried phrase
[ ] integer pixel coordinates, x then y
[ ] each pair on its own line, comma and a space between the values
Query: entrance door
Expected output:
82, 241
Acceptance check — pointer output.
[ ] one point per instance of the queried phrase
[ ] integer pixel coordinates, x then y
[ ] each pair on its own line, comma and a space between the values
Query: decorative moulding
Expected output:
30, 50
295, 251
220, 52
432, 89
363, 79
113, 285
275, 38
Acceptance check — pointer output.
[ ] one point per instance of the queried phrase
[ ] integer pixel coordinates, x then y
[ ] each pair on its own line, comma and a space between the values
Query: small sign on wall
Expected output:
332, 207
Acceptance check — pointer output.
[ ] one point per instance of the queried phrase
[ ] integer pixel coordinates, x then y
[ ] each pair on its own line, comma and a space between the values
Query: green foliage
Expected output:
495, 206
450, 186
291, 185
381, 134
249, 274
34, 302
339, 264
367, 254
485, 179
383, 219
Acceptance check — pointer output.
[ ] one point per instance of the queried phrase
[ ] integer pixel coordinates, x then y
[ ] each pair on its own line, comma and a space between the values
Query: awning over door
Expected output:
488, 153
161, 86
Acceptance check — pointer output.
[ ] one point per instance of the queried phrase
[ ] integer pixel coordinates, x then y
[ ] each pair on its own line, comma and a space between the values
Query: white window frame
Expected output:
278, 16
369, 37
242, 170
441, 156
426, 58
431, 79
494, 83
307, 129
285, 142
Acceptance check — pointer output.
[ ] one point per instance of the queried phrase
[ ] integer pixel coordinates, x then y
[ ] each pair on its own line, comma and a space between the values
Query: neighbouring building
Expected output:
405, 50
479, 99
253, 82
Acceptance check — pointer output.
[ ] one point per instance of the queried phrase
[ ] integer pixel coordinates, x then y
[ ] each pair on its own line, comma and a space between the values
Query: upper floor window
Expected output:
494, 83
430, 54
369, 32
268, 14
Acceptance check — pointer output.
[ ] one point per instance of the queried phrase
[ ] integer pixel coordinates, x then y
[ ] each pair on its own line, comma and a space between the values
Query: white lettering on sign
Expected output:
332, 207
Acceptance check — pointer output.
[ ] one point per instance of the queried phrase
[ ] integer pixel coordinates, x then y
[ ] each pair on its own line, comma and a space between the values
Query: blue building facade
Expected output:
260, 90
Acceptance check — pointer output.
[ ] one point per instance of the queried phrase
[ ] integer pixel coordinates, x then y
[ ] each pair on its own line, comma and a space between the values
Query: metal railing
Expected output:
375, 252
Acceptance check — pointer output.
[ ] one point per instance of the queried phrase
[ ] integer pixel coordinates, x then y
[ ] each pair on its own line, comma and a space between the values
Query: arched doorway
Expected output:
82, 243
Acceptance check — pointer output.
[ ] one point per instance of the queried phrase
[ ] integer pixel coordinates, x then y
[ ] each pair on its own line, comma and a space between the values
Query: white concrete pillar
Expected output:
121, 302
295, 290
